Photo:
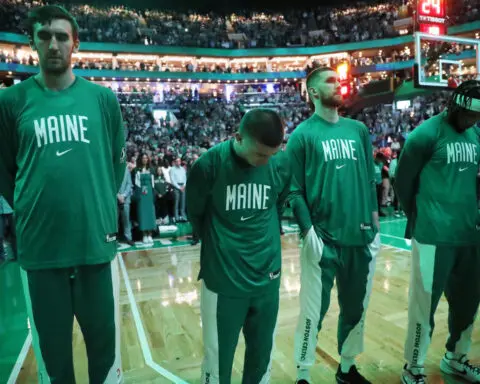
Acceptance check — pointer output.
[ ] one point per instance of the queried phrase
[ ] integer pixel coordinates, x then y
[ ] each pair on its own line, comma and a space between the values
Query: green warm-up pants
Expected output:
222, 320
89, 293
436, 270
353, 269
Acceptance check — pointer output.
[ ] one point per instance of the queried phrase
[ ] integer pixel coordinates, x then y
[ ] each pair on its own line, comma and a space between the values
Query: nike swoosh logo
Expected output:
340, 166
246, 218
462, 169
64, 152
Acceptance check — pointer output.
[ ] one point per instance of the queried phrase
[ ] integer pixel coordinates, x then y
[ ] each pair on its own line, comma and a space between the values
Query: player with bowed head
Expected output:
234, 192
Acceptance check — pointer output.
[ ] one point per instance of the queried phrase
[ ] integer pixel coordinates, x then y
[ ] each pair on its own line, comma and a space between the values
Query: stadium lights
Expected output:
213, 60
340, 55
293, 58
343, 70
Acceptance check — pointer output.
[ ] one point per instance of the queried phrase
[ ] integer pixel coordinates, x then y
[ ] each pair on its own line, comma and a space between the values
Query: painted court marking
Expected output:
20, 360
142, 337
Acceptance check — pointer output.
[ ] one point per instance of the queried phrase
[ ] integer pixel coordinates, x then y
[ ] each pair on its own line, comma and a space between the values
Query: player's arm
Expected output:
285, 177
197, 192
8, 150
416, 152
118, 140
297, 195
368, 147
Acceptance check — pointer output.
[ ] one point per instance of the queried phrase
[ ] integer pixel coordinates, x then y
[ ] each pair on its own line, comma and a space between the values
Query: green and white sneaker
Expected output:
460, 368
416, 377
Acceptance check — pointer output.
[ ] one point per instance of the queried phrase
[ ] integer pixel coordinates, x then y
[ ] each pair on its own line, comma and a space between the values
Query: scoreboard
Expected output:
432, 16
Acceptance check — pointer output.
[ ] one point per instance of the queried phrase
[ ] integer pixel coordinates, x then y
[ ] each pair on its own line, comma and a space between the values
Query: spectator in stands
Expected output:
162, 193
5, 222
379, 163
124, 199
144, 187
195, 237
178, 177
391, 170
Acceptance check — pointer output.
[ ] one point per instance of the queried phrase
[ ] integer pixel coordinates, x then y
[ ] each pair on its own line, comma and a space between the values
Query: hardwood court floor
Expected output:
162, 298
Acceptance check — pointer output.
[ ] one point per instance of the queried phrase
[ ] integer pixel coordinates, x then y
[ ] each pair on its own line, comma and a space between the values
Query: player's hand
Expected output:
121, 199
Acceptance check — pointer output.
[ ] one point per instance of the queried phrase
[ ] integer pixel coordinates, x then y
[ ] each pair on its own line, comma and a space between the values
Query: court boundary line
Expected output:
142, 336
22, 356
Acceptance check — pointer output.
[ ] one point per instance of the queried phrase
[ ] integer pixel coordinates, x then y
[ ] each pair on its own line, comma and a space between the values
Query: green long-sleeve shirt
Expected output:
436, 180
233, 207
62, 161
333, 180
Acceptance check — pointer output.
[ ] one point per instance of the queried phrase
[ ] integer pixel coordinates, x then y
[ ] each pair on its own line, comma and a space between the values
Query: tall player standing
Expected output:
333, 196
436, 182
62, 160
233, 192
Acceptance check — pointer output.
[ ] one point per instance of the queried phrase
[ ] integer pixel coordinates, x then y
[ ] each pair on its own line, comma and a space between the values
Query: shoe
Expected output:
130, 242
409, 378
150, 240
460, 368
145, 240
194, 242
352, 377
302, 381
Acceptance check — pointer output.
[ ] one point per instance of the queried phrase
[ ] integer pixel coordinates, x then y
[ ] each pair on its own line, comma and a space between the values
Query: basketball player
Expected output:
233, 192
62, 160
436, 185
333, 197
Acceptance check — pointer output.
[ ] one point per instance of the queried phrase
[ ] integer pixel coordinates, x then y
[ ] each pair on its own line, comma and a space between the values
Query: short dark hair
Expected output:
45, 15
264, 125
314, 73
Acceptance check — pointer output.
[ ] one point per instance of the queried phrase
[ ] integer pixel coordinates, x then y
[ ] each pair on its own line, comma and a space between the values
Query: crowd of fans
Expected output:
201, 122
317, 26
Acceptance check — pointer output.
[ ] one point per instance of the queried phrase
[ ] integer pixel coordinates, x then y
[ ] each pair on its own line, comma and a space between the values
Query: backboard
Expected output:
445, 61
